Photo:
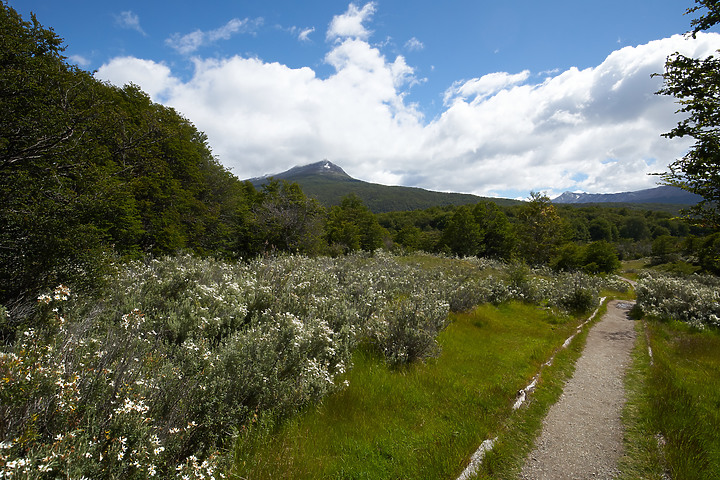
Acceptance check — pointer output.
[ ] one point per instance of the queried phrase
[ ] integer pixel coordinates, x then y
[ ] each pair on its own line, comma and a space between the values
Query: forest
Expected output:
155, 309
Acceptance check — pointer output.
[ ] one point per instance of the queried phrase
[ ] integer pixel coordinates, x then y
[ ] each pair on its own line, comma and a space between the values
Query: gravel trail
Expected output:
582, 434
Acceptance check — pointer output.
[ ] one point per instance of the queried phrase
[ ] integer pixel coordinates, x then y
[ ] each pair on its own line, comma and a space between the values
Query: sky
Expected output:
498, 99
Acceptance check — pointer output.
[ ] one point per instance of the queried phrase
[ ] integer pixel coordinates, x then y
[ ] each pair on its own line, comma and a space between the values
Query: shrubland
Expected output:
158, 373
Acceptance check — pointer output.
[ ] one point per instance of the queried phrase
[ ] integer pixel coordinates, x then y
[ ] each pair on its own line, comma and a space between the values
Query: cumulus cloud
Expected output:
79, 60
482, 87
351, 24
129, 20
597, 129
155, 79
191, 42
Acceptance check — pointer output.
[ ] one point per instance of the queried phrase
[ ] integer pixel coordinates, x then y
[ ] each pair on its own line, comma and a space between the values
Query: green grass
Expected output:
424, 421
678, 396
643, 457
518, 433
631, 268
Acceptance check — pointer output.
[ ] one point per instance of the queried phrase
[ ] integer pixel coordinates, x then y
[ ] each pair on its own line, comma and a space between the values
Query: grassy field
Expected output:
674, 408
424, 421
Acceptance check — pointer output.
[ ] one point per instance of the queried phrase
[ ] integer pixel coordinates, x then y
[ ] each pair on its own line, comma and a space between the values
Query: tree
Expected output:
462, 234
287, 220
352, 226
498, 235
600, 229
664, 248
541, 230
89, 170
635, 227
709, 254
600, 257
569, 258
695, 83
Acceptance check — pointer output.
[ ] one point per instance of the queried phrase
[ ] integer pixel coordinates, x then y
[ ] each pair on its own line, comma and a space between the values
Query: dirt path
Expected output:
582, 434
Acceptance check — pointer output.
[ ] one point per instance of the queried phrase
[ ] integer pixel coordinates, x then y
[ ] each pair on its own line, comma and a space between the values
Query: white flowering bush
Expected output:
151, 379
694, 299
408, 330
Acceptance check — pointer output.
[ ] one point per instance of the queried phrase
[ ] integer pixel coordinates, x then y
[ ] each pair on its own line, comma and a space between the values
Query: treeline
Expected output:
567, 237
91, 173
87, 168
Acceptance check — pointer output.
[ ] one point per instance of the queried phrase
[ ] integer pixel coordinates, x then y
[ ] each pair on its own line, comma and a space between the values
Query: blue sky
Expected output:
493, 98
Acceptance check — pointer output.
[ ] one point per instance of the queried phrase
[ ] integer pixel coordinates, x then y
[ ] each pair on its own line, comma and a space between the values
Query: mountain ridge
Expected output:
664, 194
329, 183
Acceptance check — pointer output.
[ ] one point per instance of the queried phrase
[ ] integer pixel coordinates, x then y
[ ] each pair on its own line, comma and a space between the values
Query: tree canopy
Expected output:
89, 170
695, 83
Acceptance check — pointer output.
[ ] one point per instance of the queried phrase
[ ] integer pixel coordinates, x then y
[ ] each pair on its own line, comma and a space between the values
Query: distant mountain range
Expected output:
664, 195
329, 183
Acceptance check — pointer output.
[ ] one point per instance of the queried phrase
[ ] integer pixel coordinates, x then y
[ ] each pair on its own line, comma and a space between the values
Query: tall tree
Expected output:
287, 220
88, 169
462, 234
695, 83
541, 231
498, 235
352, 226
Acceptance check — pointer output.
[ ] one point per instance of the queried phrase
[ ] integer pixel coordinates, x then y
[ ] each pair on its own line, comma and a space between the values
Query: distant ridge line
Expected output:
329, 183
664, 194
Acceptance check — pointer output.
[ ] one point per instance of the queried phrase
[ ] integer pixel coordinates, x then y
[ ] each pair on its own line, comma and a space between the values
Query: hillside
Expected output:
329, 183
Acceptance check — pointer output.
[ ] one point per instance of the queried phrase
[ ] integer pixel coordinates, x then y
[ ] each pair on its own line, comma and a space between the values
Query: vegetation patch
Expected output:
422, 421
675, 404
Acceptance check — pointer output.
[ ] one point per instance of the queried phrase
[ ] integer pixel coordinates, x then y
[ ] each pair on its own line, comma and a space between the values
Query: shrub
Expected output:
407, 331
694, 299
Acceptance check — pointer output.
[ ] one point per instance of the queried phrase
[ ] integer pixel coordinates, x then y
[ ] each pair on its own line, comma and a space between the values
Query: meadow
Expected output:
360, 366
166, 371
674, 383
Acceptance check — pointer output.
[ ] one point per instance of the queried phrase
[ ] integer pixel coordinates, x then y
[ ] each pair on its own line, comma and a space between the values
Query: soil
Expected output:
582, 436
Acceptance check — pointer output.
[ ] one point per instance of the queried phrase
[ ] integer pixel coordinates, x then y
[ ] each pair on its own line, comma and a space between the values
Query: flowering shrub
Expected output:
149, 380
408, 331
694, 299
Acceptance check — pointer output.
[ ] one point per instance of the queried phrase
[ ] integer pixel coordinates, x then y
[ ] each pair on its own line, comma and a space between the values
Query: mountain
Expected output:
325, 169
329, 183
664, 195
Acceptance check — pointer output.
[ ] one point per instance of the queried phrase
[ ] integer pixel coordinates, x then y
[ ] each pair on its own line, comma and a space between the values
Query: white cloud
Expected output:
155, 79
304, 34
351, 23
129, 20
190, 42
482, 87
414, 44
79, 60
597, 129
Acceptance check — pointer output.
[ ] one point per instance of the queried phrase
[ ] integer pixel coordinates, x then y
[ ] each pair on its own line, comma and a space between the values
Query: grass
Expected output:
518, 433
424, 421
643, 457
631, 268
676, 400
